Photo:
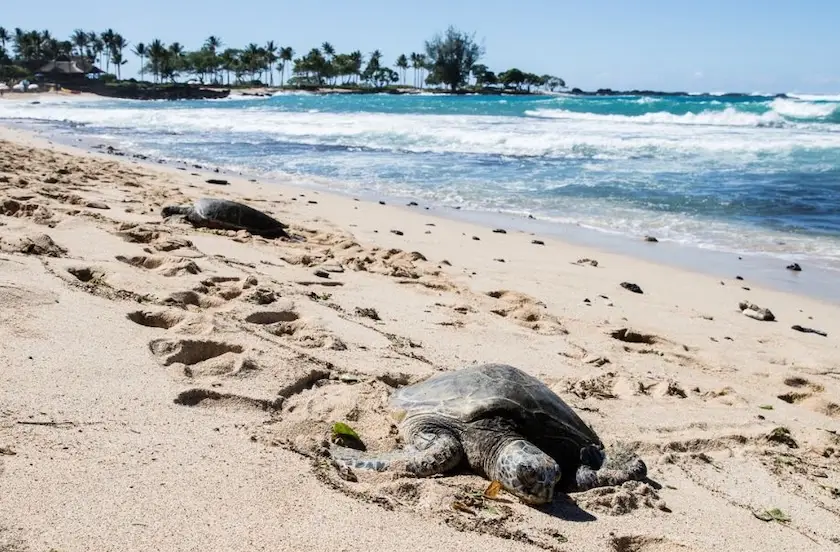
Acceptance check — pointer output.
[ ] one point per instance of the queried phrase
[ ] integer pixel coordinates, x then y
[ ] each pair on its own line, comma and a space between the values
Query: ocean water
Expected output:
745, 175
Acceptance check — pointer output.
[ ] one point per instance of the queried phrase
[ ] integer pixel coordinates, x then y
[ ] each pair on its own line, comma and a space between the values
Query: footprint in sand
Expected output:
214, 399
210, 293
157, 319
526, 311
34, 244
807, 392
201, 358
645, 544
166, 266
284, 321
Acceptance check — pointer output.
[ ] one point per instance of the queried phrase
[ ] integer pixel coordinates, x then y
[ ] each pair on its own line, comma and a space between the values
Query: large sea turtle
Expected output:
505, 425
228, 215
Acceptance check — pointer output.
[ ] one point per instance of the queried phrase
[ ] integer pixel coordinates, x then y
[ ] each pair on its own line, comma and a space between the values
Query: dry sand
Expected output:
159, 382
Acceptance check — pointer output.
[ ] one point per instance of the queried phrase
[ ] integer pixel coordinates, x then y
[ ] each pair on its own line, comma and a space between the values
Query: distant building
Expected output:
64, 70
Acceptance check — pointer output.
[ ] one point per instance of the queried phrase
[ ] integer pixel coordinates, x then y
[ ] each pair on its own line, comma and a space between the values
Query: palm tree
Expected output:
156, 53
118, 44
107, 39
214, 43
419, 65
140, 51
4, 37
286, 55
270, 57
80, 40
229, 62
402, 64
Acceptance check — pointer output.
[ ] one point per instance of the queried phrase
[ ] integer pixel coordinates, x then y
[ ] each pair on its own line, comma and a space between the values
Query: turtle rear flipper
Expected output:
441, 453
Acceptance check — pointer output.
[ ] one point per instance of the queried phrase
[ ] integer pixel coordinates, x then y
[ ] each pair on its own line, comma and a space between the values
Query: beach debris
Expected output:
782, 436
773, 514
397, 232
739, 277
367, 312
500, 231
628, 335
754, 311
794, 267
499, 260
382, 203
630, 286
476, 238
217, 181
587, 261
804, 329
537, 242
344, 436
411, 204
492, 490
651, 239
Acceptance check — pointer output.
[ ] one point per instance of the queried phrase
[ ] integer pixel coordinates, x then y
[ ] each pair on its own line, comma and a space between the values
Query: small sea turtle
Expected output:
505, 425
228, 215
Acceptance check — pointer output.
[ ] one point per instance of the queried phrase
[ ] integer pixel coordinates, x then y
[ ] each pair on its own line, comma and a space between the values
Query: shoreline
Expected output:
161, 377
758, 269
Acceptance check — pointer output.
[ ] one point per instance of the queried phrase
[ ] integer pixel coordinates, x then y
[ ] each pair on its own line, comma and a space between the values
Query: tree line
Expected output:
448, 60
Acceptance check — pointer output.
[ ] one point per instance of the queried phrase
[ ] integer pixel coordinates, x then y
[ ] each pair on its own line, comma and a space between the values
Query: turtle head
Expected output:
527, 472
170, 210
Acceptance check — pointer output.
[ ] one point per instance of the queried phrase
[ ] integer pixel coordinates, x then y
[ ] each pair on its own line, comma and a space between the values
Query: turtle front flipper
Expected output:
432, 454
619, 467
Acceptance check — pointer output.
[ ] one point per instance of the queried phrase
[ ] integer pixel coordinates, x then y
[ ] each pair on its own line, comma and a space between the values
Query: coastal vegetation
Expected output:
448, 62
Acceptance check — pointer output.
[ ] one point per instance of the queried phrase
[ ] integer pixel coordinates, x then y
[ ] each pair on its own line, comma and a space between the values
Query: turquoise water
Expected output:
749, 174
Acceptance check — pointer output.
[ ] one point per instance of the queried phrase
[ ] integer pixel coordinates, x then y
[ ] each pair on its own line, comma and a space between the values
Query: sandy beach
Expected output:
162, 385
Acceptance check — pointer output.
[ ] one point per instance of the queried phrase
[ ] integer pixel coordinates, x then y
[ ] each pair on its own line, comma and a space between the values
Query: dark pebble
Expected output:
651, 239
312, 202
537, 242
412, 204
397, 232
794, 267
629, 286
499, 260
500, 231
218, 181
739, 277
476, 238
322, 273
382, 203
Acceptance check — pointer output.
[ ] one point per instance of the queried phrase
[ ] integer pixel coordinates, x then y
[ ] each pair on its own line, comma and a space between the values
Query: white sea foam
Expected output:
728, 117
802, 109
816, 97
547, 132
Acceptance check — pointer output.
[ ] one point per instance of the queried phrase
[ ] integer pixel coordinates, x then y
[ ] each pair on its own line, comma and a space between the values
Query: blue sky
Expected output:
713, 45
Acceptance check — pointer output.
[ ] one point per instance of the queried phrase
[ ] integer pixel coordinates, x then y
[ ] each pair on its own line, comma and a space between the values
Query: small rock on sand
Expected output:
537, 242
630, 286
754, 311
500, 231
218, 181
651, 239
794, 267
